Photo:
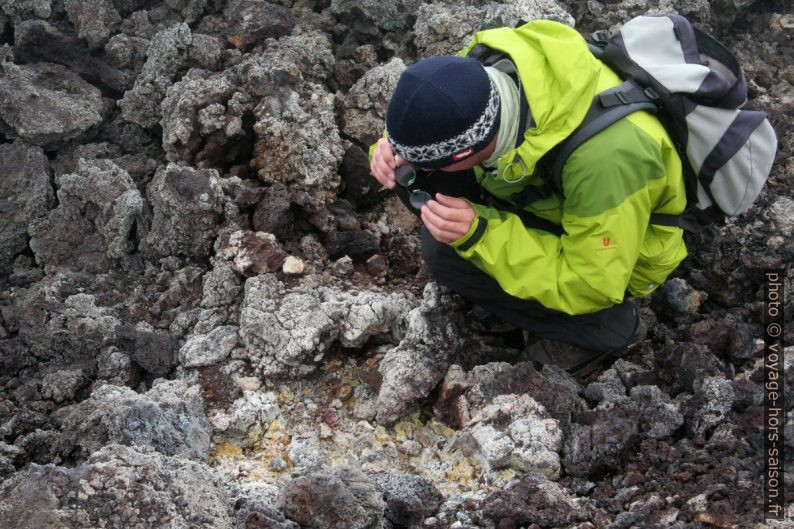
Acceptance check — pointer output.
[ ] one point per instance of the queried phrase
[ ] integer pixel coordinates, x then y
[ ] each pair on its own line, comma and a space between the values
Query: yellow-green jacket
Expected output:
611, 184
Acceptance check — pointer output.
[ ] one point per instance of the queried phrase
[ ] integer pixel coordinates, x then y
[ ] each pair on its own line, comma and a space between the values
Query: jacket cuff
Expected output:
478, 228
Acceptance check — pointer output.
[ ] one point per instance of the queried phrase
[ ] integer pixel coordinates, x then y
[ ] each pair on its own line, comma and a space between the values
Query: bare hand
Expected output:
448, 218
384, 162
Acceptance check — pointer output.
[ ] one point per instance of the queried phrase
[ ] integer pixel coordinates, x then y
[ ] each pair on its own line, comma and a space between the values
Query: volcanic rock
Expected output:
463, 395
58, 322
360, 186
364, 107
117, 486
253, 253
436, 333
286, 332
251, 22
248, 417
46, 104
659, 417
533, 499
210, 348
599, 439
154, 350
100, 210
272, 213
38, 41
187, 204
18, 10
409, 498
221, 285
168, 418
346, 500
517, 431
443, 29
367, 19
200, 115
710, 405
94, 20
675, 297
25, 197
167, 58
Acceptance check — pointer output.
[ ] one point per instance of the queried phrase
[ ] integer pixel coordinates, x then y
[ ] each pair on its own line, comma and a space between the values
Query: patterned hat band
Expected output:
457, 147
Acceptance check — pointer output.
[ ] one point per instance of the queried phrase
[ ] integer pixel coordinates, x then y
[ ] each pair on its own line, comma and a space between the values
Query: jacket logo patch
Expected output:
607, 244
462, 154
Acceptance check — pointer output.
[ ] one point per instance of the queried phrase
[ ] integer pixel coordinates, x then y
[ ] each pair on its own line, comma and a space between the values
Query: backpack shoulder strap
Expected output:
608, 107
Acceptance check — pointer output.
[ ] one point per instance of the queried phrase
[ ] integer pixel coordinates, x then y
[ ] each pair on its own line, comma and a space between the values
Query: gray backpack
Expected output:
697, 88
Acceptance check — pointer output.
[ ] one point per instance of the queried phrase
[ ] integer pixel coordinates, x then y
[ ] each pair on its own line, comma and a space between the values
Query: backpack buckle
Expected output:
651, 93
600, 37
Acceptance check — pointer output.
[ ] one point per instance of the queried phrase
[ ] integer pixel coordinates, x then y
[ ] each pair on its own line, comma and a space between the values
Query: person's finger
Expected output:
381, 170
377, 172
438, 234
386, 152
457, 227
449, 213
452, 202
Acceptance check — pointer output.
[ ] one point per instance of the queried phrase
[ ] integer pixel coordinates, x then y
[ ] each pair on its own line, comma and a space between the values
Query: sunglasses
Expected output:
405, 176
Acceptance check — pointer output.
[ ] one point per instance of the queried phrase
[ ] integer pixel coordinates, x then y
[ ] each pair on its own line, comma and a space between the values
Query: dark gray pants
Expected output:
598, 331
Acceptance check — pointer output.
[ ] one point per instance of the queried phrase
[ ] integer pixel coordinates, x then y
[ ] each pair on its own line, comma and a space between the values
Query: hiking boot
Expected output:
483, 321
578, 361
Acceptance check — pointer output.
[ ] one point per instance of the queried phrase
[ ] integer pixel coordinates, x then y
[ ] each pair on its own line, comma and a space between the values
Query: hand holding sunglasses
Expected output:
446, 218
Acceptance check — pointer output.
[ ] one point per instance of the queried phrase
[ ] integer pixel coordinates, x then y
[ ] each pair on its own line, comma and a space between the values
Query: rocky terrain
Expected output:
212, 317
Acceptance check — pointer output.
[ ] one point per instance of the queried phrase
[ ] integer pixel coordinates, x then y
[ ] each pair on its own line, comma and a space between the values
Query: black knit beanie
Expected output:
443, 110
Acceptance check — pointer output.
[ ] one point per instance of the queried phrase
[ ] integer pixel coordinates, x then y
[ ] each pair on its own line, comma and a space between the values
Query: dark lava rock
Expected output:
533, 499
25, 195
46, 104
676, 298
273, 215
404, 252
409, 499
709, 406
117, 486
599, 439
724, 338
169, 418
167, 58
95, 223
378, 266
188, 207
37, 41
251, 22
60, 321
347, 500
94, 20
462, 395
685, 364
260, 515
359, 245
344, 213
360, 186
254, 253
155, 351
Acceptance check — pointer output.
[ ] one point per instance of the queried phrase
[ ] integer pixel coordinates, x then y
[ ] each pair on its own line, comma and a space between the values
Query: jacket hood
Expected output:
559, 77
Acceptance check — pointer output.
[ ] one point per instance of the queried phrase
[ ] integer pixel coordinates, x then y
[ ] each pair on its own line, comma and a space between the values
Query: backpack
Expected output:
696, 88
